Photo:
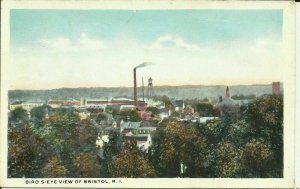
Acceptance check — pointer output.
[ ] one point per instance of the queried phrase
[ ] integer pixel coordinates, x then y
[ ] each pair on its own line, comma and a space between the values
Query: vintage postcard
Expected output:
148, 94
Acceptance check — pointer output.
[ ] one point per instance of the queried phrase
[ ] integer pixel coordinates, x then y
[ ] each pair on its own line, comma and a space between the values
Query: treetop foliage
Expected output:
248, 144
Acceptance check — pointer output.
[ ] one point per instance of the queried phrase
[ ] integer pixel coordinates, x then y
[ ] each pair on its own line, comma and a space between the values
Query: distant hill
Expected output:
175, 92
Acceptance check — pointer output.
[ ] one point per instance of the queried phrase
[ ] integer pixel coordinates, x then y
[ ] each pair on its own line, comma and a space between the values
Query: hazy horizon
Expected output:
140, 86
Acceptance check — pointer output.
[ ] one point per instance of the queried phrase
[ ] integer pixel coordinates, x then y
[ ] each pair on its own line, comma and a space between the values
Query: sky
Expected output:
99, 48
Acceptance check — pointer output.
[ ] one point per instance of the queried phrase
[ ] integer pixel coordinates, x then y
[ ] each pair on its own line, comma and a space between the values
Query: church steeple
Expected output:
227, 95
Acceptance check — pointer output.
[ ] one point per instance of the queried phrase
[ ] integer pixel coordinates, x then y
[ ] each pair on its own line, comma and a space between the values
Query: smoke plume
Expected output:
144, 64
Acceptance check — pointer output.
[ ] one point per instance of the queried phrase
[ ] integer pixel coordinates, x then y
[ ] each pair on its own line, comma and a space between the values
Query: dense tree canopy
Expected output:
86, 165
101, 117
237, 145
154, 111
54, 169
27, 152
18, 115
131, 163
48, 146
205, 109
176, 145
110, 151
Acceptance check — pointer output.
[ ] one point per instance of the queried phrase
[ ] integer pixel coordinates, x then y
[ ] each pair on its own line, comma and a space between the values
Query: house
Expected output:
206, 119
99, 142
101, 139
137, 127
165, 112
178, 105
187, 113
164, 115
148, 124
129, 126
188, 110
144, 130
143, 141
136, 131
103, 135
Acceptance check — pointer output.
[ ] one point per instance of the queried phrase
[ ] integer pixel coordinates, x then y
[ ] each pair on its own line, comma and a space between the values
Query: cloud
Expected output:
88, 61
266, 44
86, 43
63, 44
173, 42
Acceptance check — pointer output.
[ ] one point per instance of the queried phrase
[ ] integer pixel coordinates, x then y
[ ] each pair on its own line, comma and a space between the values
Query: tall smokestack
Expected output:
135, 88
144, 64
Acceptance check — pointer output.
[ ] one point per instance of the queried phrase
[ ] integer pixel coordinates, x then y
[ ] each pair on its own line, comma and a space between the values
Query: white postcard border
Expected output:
288, 8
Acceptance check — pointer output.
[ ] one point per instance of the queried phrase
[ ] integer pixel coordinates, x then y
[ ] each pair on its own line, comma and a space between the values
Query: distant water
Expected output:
175, 92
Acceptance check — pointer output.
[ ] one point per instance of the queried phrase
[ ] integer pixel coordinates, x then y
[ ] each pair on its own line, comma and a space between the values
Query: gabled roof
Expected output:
148, 124
131, 125
147, 128
177, 103
189, 106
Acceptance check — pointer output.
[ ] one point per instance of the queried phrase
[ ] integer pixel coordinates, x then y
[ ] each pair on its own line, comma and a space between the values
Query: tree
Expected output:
27, 152
54, 169
83, 136
38, 116
179, 145
62, 137
68, 137
265, 116
155, 111
113, 147
239, 133
214, 131
155, 151
256, 159
226, 160
18, 115
38, 113
110, 151
86, 165
266, 112
205, 109
165, 99
131, 163
101, 117
131, 114
243, 97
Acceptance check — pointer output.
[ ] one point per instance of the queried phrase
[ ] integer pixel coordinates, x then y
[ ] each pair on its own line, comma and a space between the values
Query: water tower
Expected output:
150, 88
